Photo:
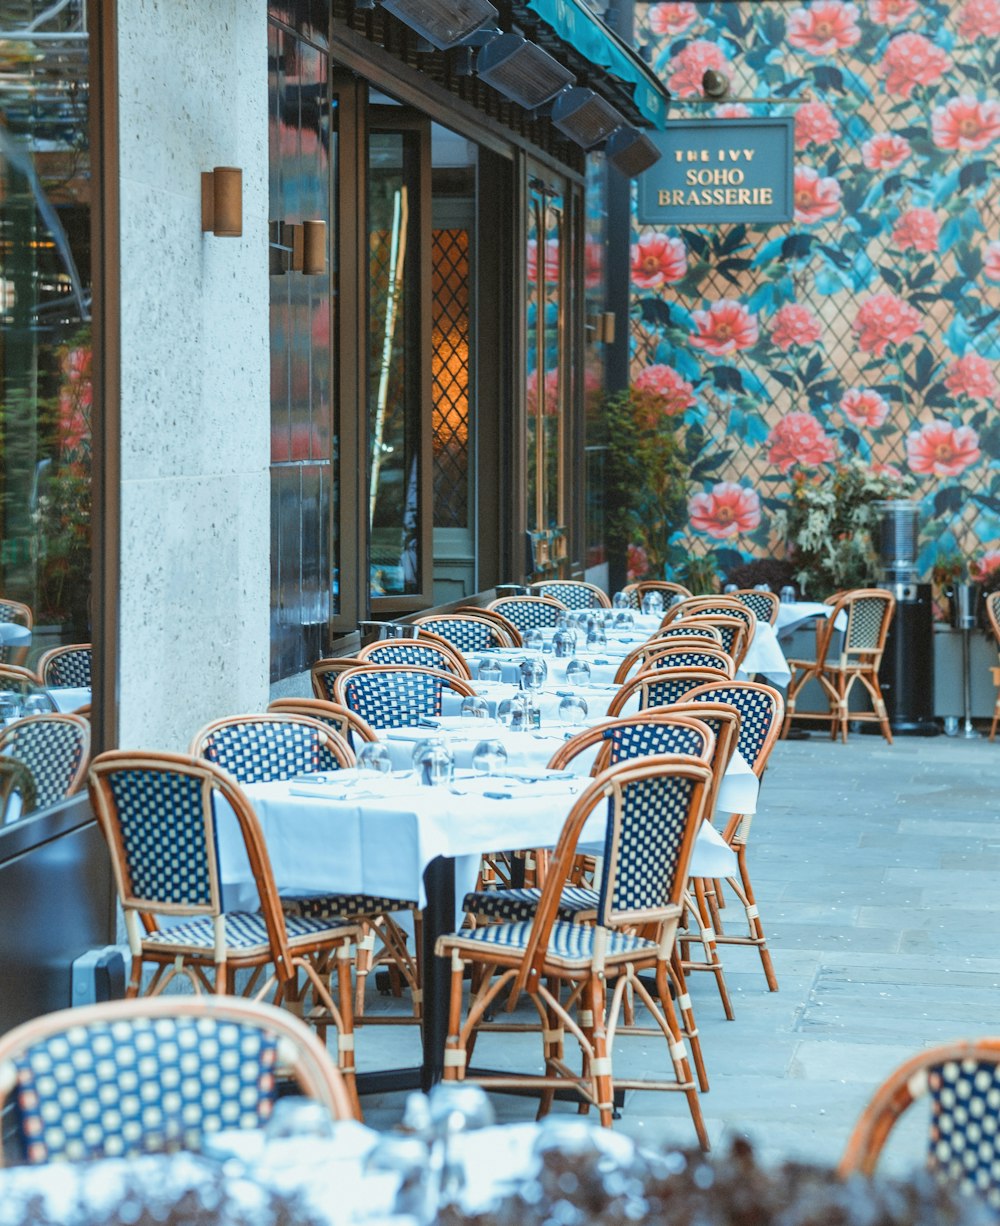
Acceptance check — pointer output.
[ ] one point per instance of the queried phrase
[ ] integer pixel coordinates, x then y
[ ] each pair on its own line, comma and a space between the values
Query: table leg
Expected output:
439, 918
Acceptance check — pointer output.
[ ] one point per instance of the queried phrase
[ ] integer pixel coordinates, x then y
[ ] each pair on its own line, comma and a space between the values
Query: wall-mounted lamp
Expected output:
714, 85
298, 247
222, 201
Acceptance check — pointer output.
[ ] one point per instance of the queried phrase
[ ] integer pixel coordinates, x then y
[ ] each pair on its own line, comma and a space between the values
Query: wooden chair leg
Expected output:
675, 974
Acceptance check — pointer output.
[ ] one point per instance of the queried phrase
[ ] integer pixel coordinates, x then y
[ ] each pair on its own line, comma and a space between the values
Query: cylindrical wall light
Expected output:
222, 201
314, 248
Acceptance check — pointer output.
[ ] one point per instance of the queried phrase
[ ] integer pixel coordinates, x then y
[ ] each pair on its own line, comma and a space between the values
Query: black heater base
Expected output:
907, 672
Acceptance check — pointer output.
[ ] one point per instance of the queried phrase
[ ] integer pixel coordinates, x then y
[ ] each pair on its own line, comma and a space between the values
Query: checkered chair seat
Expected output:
577, 905
342, 906
157, 1085
52, 749
569, 944
245, 932
68, 667
264, 752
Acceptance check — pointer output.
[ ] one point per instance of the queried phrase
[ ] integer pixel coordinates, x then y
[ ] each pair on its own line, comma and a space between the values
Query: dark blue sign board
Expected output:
719, 170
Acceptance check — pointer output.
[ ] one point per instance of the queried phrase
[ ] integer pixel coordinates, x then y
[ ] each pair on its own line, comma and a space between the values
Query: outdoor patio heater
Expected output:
907, 672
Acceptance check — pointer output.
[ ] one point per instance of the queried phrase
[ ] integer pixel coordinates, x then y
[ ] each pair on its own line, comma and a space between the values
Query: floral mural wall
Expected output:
866, 332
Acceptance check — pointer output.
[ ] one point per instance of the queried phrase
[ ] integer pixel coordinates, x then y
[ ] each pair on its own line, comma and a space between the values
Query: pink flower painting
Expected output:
885, 151
885, 320
991, 262
670, 391
917, 230
795, 325
824, 28
669, 20
658, 260
815, 124
799, 439
865, 408
816, 197
890, 12
691, 63
724, 511
941, 449
637, 563
971, 376
965, 124
910, 60
979, 19
725, 327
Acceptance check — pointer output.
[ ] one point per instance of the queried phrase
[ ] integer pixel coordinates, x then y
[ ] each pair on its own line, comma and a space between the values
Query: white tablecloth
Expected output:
765, 657
14, 635
795, 614
69, 698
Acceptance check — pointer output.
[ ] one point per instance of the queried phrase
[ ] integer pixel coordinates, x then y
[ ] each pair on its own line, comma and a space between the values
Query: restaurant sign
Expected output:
719, 170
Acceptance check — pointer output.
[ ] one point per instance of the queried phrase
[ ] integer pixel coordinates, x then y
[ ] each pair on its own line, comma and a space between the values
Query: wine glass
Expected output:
533, 672
787, 594
730, 587
490, 670
374, 756
10, 708
489, 757
624, 619
572, 709
474, 707
564, 644
578, 672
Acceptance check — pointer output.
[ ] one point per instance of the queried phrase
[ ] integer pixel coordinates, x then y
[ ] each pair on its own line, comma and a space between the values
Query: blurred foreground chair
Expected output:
868, 613
160, 815
577, 975
962, 1081
55, 749
66, 666
156, 1075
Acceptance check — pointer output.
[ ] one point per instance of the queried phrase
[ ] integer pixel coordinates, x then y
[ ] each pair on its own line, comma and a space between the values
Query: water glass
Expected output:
474, 707
652, 604
489, 757
505, 709
520, 713
624, 619
38, 704
434, 763
295, 1116
730, 587
620, 600
533, 672
564, 644
761, 587
374, 756
572, 709
787, 595
10, 708
578, 672
490, 670
597, 640
533, 640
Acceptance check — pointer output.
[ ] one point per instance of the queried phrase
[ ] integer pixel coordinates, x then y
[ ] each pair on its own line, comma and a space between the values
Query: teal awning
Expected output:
583, 30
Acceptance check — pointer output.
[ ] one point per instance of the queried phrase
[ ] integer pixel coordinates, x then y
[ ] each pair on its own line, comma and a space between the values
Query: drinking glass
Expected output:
787, 595
564, 644
533, 672
572, 709
520, 713
620, 601
597, 640
624, 619
490, 670
38, 704
474, 707
505, 709
489, 757
434, 763
578, 672
533, 640
652, 604
761, 587
10, 708
374, 756
730, 587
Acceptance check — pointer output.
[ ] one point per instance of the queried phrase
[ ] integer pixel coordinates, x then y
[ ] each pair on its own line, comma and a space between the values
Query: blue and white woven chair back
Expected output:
69, 668
867, 619
463, 633
528, 612
142, 1086
761, 604
393, 699
686, 630
268, 751
758, 711
693, 659
643, 738
964, 1141
424, 655
665, 690
573, 595
167, 835
724, 610
647, 823
52, 749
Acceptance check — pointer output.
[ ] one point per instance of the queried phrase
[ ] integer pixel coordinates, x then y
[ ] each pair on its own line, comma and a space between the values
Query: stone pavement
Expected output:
875, 872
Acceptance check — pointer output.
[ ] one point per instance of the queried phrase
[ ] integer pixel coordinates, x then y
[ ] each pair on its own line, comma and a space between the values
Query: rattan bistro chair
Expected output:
272, 748
158, 813
351, 727
868, 612
424, 652
576, 975
156, 1075
66, 666
529, 612
662, 687
763, 605
993, 615
761, 710
670, 592
962, 1081
55, 749
469, 630
573, 593
13, 612
675, 652
394, 695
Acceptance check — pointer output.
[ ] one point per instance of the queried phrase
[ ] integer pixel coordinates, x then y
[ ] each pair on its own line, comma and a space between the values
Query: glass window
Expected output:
46, 394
